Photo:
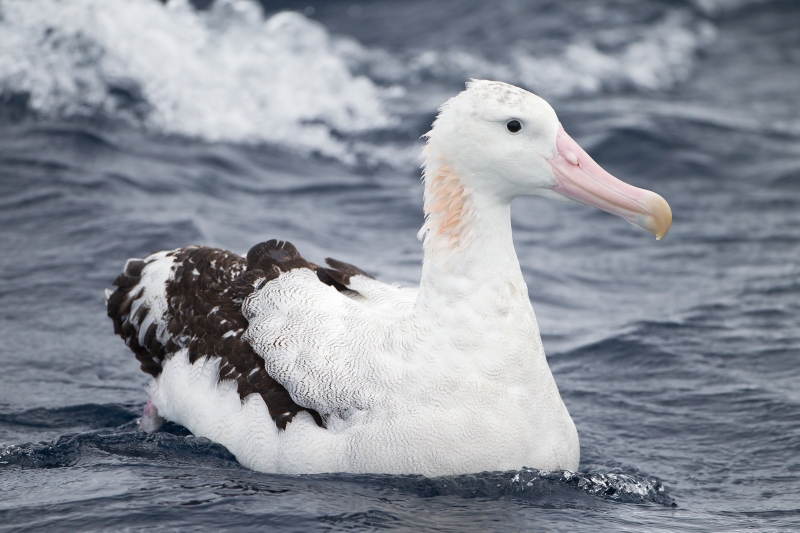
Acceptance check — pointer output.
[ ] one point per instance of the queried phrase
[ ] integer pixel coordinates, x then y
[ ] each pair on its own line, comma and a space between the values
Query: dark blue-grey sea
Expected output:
129, 126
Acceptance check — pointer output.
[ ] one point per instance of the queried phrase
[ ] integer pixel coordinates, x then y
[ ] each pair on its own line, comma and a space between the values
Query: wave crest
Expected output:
228, 74
655, 56
223, 74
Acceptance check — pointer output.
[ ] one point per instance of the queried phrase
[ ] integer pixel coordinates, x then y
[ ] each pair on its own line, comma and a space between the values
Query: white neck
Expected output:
469, 253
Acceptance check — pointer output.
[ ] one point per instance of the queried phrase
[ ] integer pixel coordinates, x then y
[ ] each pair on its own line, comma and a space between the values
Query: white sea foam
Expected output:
226, 74
650, 57
229, 74
659, 60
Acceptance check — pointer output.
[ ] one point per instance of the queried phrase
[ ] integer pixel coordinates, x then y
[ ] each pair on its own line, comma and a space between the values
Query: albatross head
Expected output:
497, 141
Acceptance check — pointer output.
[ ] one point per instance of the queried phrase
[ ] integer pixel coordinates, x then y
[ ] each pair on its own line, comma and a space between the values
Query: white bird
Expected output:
297, 368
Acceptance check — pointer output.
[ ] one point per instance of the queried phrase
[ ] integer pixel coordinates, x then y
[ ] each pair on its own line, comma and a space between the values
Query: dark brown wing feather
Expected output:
339, 273
204, 315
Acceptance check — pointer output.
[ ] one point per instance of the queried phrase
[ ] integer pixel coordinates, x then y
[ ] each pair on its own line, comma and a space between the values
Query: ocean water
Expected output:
128, 126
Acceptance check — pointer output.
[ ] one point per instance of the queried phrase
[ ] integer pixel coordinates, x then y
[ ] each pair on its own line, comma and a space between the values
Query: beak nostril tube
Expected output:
571, 158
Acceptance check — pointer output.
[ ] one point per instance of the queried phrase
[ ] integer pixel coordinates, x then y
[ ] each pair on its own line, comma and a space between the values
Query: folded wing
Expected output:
304, 337
327, 344
190, 299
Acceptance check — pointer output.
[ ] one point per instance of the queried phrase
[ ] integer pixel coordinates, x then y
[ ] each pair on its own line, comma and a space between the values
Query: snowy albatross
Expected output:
299, 368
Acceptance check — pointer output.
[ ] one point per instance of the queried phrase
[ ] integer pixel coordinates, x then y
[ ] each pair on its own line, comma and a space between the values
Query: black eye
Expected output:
513, 126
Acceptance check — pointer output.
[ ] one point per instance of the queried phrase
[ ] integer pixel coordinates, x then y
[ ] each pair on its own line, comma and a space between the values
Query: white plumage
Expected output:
445, 379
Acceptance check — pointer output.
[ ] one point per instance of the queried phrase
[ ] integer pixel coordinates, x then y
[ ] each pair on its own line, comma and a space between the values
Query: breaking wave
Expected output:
222, 75
645, 57
230, 74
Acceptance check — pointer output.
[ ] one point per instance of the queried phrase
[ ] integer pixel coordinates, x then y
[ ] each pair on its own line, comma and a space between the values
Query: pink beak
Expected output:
584, 181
